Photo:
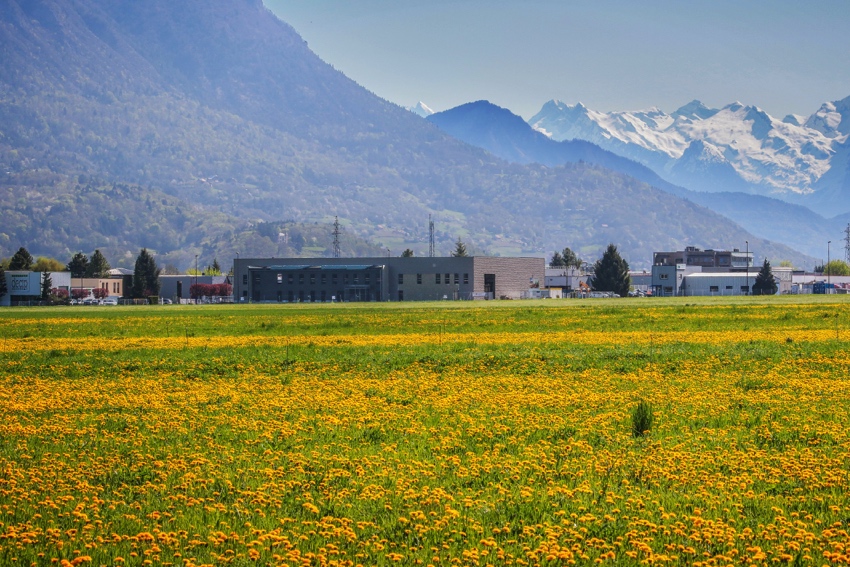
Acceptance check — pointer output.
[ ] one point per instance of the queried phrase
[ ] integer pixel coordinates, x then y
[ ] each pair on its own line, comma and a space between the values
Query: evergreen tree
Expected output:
215, 270
46, 285
611, 273
145, 276
408, 253
460, 249
571, 259
765, 283
98, 266
22, 260
3, 288
79, 265
557, 260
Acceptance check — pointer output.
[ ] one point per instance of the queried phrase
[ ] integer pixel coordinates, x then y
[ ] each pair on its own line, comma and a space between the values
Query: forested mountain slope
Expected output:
201, 119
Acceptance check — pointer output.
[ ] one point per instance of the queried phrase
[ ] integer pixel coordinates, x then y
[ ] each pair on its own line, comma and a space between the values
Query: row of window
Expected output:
438, 278
716, 288
323, 278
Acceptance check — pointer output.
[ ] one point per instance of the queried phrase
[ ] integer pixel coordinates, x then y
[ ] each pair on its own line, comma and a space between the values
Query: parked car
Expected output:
165, 301
110, 301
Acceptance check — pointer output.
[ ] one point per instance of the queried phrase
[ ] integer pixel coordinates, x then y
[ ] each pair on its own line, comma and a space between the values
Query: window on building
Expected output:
400, 279
244, 279
367, 278
301, 279
333, 278
663, 276
448, 279
345, 279
436, 278
324, 280
745, 289
312, 279
466, 278
280, 278
457, 279
729, 287
401, 295
419, 278
289, 279
290, 296
356, 278
714, 288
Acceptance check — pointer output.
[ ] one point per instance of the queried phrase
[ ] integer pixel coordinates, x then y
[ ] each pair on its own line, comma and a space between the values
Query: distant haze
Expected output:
784, 56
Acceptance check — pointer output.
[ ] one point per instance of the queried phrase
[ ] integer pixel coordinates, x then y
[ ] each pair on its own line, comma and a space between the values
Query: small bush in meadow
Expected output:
641, 419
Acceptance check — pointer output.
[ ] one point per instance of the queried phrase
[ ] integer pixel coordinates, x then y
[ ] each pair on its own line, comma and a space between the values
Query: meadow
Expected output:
486, 433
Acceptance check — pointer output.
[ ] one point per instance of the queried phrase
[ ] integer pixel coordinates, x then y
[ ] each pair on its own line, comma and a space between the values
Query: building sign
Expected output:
26, 283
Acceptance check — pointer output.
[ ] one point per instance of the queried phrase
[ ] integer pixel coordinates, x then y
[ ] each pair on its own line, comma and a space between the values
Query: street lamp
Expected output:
236, 276
828, 242
196, 278
747, 260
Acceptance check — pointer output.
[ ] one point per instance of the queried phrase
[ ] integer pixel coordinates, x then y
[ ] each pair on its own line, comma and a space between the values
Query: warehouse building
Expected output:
384, 279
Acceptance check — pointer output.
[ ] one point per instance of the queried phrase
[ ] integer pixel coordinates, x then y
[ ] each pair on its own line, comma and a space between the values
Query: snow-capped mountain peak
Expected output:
758, 153
832, 119
421, 109
694, 110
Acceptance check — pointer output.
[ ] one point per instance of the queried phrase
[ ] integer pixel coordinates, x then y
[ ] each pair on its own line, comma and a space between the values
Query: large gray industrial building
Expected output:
384, 278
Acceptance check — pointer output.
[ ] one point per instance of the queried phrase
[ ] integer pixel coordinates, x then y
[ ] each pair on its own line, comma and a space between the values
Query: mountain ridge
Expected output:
102, 88
508, 136
765, 156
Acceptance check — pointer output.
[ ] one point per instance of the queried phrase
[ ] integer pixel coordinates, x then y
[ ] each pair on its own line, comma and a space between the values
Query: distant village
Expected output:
682, 273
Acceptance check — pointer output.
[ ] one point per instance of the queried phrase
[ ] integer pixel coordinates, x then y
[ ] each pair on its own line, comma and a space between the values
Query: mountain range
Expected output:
736, 148
508, 136
208, 127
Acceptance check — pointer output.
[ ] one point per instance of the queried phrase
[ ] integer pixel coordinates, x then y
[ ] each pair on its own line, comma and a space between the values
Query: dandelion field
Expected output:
492, 433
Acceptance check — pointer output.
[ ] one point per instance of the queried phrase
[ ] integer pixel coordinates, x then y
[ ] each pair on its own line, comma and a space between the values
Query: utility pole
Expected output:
847, 244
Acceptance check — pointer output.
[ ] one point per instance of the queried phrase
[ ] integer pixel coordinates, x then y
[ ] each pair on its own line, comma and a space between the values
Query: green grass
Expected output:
451, 446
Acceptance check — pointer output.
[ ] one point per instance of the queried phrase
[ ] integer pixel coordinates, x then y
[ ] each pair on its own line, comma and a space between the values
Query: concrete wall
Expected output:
513, 275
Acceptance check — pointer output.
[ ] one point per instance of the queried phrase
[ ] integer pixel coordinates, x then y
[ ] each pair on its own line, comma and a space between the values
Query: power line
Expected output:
430, 237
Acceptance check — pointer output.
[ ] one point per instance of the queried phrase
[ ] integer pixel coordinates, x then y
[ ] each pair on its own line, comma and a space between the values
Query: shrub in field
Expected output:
641, 419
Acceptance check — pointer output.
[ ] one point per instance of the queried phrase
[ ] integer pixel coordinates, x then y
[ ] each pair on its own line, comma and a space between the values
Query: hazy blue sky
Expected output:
784, 56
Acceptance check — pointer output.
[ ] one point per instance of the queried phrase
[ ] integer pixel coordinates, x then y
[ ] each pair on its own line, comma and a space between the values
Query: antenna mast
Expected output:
336, 237
431, 237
